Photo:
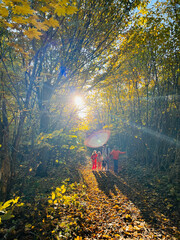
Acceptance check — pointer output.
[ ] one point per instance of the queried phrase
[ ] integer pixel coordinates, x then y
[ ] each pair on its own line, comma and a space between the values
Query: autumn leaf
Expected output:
63, 189
60, 10
7, 204
41, 26
44, 9
116, 207
3, 12
53, 195
22, 10
33, 33
70, 10
78, 238
52, 22
20, 20
72, 147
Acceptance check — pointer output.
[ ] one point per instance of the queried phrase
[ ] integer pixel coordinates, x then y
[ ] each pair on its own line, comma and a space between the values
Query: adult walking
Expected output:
99, 160
106, 155
115, 156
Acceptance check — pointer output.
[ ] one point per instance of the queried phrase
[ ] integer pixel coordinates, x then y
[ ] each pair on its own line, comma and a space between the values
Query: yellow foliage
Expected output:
22, 10
39, 25
3, 12
83, 127
78, 238
53, 195
22, 13
64, 2
44, 9
52, 22
143, 11
58, 194
58, 189
72, 147
7, 209
6, 204
70, 10
33, 33
60, 10
63, 189
7, 2
20, 20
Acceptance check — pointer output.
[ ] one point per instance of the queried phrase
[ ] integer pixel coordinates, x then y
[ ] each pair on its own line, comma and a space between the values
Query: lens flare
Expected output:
97, 139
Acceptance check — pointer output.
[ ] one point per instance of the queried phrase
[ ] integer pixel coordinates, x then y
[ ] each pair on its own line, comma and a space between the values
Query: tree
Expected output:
49, 46
144, 69
20, 27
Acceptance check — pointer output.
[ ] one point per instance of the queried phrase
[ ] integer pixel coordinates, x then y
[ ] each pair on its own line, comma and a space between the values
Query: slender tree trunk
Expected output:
5, 162
147, 106
17, 139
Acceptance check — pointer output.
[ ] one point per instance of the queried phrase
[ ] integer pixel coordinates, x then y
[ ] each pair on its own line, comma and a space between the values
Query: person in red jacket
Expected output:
94, 159
115, 156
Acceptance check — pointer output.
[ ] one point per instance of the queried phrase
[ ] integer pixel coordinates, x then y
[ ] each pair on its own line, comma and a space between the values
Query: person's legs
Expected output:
116, 166
103, 166
107, 165
95, 164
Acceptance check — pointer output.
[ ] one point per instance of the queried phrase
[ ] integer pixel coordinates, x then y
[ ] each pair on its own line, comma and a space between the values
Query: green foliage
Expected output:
62, 146
64, 140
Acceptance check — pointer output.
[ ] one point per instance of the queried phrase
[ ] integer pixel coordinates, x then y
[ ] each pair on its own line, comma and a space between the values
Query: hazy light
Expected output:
79, 101
82, 114
80, 104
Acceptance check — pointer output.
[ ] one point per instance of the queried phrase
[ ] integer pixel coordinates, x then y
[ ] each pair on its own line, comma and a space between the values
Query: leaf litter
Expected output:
113, 215
96, 208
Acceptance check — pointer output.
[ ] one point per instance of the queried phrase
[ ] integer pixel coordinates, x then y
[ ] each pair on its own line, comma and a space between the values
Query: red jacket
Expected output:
115, 154
94, 156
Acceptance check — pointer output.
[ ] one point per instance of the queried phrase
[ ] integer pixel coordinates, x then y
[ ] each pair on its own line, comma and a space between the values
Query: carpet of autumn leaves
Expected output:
112, 214
96, 208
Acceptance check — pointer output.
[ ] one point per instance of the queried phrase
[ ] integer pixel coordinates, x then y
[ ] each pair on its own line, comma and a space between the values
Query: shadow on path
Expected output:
108, 182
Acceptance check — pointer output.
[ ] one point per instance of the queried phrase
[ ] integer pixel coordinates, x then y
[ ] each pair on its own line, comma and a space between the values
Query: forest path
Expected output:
112, 215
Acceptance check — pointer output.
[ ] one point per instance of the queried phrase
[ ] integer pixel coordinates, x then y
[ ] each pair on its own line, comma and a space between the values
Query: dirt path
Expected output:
111, 215
101, 206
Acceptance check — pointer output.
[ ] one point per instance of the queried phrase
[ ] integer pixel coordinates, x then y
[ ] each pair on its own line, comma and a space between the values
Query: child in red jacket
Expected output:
94, 159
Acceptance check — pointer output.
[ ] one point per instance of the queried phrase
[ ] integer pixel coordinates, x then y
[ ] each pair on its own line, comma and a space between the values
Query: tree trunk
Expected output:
5, 161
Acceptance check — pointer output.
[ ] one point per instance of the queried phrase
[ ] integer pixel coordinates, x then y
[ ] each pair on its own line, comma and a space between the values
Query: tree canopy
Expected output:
121, 58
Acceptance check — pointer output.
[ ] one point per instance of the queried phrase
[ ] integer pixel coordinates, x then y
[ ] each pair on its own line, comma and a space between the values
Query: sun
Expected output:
79, 101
